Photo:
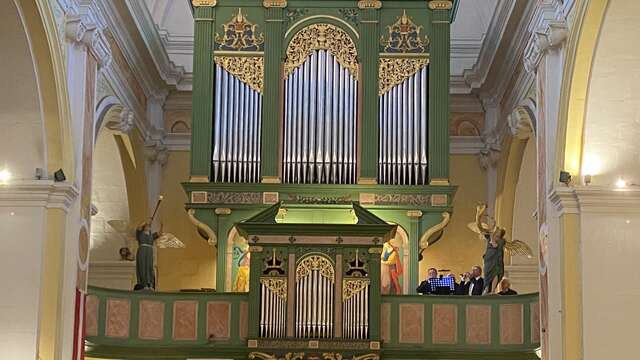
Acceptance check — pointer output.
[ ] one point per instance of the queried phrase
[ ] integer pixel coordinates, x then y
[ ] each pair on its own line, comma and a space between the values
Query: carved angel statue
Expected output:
486, 228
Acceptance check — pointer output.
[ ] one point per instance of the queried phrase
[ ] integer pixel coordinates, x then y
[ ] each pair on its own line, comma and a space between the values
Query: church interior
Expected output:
321, 180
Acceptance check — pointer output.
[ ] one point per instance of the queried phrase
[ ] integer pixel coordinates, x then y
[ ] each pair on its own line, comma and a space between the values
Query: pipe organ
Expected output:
321, 107
315, 277
402, 158
237, 120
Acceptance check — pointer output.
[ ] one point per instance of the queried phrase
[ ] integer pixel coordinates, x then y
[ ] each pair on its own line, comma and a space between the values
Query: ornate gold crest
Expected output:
325, 37
248, 69
404, 37
239, 34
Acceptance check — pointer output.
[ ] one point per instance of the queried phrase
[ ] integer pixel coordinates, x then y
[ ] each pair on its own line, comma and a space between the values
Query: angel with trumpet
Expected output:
486, 228
146, 239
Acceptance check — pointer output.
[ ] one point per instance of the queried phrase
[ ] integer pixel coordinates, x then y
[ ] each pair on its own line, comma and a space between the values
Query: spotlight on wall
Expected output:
621, 183
5, 176
58, 176
565, 177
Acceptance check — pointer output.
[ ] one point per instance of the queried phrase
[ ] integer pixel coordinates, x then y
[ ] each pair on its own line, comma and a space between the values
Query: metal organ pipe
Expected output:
236, 131
320, 122
402, 158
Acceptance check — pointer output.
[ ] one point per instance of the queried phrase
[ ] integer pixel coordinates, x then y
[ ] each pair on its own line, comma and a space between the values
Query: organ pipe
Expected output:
320, 122
402, 158
236, 130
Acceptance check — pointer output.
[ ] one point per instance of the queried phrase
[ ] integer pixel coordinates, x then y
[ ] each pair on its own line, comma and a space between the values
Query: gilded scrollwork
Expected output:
248, 69
315, 263
394, 71
351, 287
277, 285
404, 37
322, 37
239, 34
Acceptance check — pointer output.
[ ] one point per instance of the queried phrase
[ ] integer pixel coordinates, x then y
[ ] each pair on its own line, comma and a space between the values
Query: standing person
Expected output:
391, 269
475, 285
144, 256
457, 288
425, 286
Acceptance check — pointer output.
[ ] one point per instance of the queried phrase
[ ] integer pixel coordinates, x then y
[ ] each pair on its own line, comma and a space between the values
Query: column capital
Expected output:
274, 3
81, 30
440, 4
156, 152
520, 123
491, 151
122, 122
208, 3
548, 30
369, 4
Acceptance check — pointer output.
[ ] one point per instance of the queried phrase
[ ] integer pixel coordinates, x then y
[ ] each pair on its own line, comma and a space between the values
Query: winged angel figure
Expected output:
486, 228
145, 273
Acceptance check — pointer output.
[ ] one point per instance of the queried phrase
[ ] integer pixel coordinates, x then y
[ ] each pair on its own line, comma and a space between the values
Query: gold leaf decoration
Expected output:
277, 285
322, 37
394, 71
351, 287
404, 37
239, 34
249, 70
315, 263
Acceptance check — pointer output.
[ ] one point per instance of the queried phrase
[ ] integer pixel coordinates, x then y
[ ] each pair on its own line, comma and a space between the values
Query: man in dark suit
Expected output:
475, 284
425, 287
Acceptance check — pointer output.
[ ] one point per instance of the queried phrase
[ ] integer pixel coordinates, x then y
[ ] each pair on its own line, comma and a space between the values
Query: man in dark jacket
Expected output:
474, 286
425, 287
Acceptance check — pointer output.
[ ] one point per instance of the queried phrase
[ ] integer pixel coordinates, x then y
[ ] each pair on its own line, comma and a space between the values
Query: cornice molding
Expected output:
38, 193
595, 200
171, 73
132, 54
564, 200
476, 76
465, 145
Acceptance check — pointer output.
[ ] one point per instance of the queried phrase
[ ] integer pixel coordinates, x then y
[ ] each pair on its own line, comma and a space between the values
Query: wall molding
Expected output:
38, 193
595, 199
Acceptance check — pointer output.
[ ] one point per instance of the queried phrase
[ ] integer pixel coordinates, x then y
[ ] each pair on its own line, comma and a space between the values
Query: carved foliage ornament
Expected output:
394, 71
369, 4
351, 287
274, 3
322, 37
440, 4
315, 263
277, 285
239, 34
249, 70
404, 37
204, 2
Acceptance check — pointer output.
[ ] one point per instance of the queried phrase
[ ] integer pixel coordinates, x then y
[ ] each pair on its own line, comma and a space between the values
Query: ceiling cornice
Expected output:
171, 73
476, 76
123, 28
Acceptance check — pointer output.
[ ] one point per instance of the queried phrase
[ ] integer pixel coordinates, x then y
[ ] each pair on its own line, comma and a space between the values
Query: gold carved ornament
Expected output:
204, 2
369, 4
394, 71
322, 37
403, 37
435, 231
277, 285
240, 34
440, 4
351, 287
315, 263
274, 3
249, 70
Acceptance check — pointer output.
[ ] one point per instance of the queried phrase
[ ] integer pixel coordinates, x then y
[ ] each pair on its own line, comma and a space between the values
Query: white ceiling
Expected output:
173, 23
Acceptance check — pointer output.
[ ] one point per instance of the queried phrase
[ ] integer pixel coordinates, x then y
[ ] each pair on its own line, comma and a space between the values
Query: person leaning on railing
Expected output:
505, 287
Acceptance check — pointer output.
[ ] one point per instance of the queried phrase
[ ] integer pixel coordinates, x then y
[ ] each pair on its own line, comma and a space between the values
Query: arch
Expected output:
48, 61
582, 45
234, 239
104, 105
320, 19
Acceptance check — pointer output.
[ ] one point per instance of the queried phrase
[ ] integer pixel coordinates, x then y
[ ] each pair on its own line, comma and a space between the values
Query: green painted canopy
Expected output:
353, 220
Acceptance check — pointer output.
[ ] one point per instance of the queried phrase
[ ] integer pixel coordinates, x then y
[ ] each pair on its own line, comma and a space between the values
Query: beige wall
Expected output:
193, 266
459, 248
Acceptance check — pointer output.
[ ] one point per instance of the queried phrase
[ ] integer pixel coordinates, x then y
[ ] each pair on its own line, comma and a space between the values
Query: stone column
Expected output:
560, 316
490, 153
